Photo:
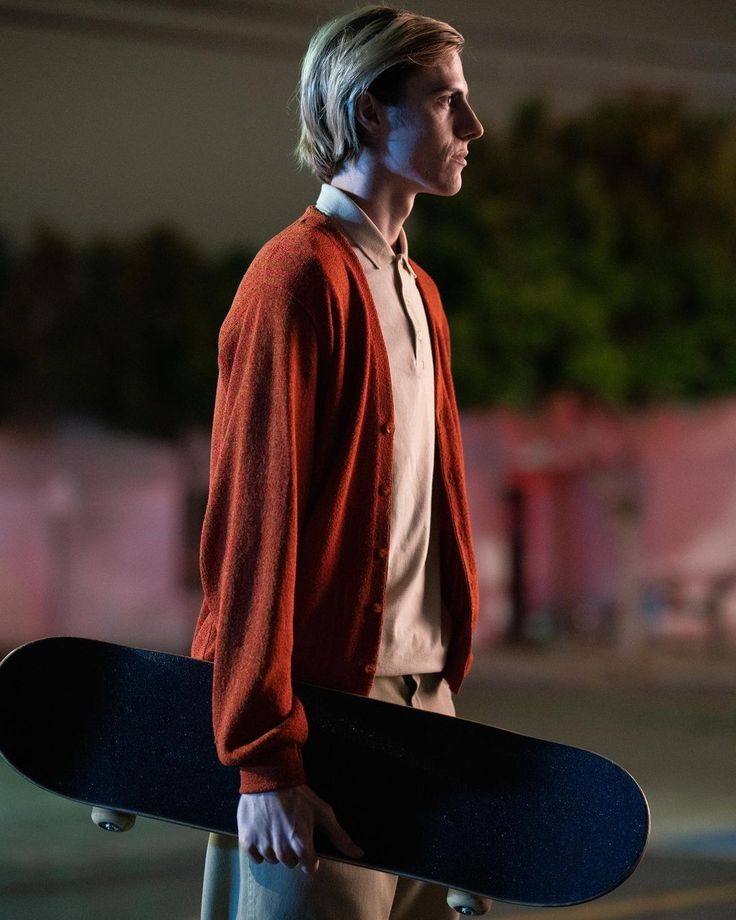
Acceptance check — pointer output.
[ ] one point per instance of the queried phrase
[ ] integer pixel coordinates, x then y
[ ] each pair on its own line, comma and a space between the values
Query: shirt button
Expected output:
383, 489
376, 608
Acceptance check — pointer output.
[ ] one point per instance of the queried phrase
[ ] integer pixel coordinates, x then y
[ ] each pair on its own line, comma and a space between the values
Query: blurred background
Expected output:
588, 269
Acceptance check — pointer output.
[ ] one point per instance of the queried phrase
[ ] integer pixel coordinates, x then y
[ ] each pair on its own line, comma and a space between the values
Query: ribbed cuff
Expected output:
282, 769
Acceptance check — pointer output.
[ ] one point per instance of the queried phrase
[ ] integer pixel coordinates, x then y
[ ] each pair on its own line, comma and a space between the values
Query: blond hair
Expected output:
346, 57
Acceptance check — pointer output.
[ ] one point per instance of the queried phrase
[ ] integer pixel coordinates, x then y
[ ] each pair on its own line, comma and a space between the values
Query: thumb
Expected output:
339, 837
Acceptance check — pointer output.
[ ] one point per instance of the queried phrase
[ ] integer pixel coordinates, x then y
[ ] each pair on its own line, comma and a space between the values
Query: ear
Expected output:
369, 116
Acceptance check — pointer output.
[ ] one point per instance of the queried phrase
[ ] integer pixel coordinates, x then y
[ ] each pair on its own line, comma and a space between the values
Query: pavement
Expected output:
670, 720
588, 665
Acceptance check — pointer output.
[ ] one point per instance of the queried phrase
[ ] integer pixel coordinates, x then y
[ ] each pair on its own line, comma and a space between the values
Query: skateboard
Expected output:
467, 806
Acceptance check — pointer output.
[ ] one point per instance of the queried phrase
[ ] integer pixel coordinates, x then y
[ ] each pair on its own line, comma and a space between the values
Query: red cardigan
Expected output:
295, 541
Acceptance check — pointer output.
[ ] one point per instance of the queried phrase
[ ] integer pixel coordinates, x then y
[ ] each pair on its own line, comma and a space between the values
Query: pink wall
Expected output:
93, 538
575, 464
91, 529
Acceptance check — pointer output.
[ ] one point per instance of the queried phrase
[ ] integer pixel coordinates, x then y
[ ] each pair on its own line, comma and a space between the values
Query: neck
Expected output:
386, 206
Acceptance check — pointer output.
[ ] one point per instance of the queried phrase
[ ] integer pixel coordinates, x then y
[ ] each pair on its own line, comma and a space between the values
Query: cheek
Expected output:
408, 151
423, 148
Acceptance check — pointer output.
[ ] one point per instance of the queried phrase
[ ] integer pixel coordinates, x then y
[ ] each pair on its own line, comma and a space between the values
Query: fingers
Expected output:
291, 846
279, 828
265, 853
253, 853
307, 861
310, 868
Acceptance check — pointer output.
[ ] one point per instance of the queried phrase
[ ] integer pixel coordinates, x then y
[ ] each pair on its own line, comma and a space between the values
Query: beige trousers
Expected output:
237, 889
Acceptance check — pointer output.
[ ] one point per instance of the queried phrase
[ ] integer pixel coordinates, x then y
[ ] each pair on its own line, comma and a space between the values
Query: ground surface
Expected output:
673, 725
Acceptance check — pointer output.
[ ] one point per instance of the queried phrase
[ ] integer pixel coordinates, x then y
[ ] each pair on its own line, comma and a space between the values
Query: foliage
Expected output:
124, 332
595, 254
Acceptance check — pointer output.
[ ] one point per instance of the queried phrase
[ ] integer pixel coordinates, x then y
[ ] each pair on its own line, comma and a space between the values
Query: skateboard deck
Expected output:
427, 796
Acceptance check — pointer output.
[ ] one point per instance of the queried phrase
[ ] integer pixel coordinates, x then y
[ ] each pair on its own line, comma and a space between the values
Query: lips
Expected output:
461, 158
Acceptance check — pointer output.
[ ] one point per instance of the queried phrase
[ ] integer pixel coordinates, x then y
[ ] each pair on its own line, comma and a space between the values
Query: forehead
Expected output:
445, 74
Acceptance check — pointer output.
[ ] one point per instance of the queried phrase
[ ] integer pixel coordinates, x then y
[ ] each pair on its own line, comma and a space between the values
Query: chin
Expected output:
449, 189
446, 188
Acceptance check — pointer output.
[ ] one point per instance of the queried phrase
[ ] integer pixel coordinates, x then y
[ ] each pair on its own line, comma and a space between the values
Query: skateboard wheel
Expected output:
116, 821
469, 905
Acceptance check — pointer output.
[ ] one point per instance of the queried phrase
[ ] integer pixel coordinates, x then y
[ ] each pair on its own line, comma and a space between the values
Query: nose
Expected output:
470, 127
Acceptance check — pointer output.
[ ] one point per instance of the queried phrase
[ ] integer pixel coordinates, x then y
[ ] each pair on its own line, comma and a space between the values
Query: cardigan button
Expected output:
376, 608
382, 552
384, 489
387, 428
370, 669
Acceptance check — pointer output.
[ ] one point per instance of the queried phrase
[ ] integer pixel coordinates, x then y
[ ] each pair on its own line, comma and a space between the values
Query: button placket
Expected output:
412, 305
405, 290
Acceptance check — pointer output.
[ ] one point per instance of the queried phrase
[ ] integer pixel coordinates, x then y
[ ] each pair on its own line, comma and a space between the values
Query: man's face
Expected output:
428, 131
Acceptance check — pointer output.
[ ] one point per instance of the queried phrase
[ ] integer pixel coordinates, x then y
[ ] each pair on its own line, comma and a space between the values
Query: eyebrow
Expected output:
450, 88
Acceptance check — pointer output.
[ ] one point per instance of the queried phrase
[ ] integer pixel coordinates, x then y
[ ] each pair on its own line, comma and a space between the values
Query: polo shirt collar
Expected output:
359, 228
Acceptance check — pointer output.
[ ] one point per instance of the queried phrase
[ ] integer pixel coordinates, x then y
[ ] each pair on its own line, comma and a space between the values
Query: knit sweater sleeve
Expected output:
261, 459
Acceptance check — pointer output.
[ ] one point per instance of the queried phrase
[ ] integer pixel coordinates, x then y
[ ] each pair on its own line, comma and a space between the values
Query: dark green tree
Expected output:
595, 253
124, 332
40, 289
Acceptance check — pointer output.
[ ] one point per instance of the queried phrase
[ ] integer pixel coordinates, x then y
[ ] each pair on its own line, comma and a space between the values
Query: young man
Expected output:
336, 546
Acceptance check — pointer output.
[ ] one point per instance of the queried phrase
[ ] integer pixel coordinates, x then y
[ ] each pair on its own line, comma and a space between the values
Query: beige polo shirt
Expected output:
413, 640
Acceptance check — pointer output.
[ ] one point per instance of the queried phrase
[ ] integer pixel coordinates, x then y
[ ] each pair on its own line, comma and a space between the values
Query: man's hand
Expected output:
279, 827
